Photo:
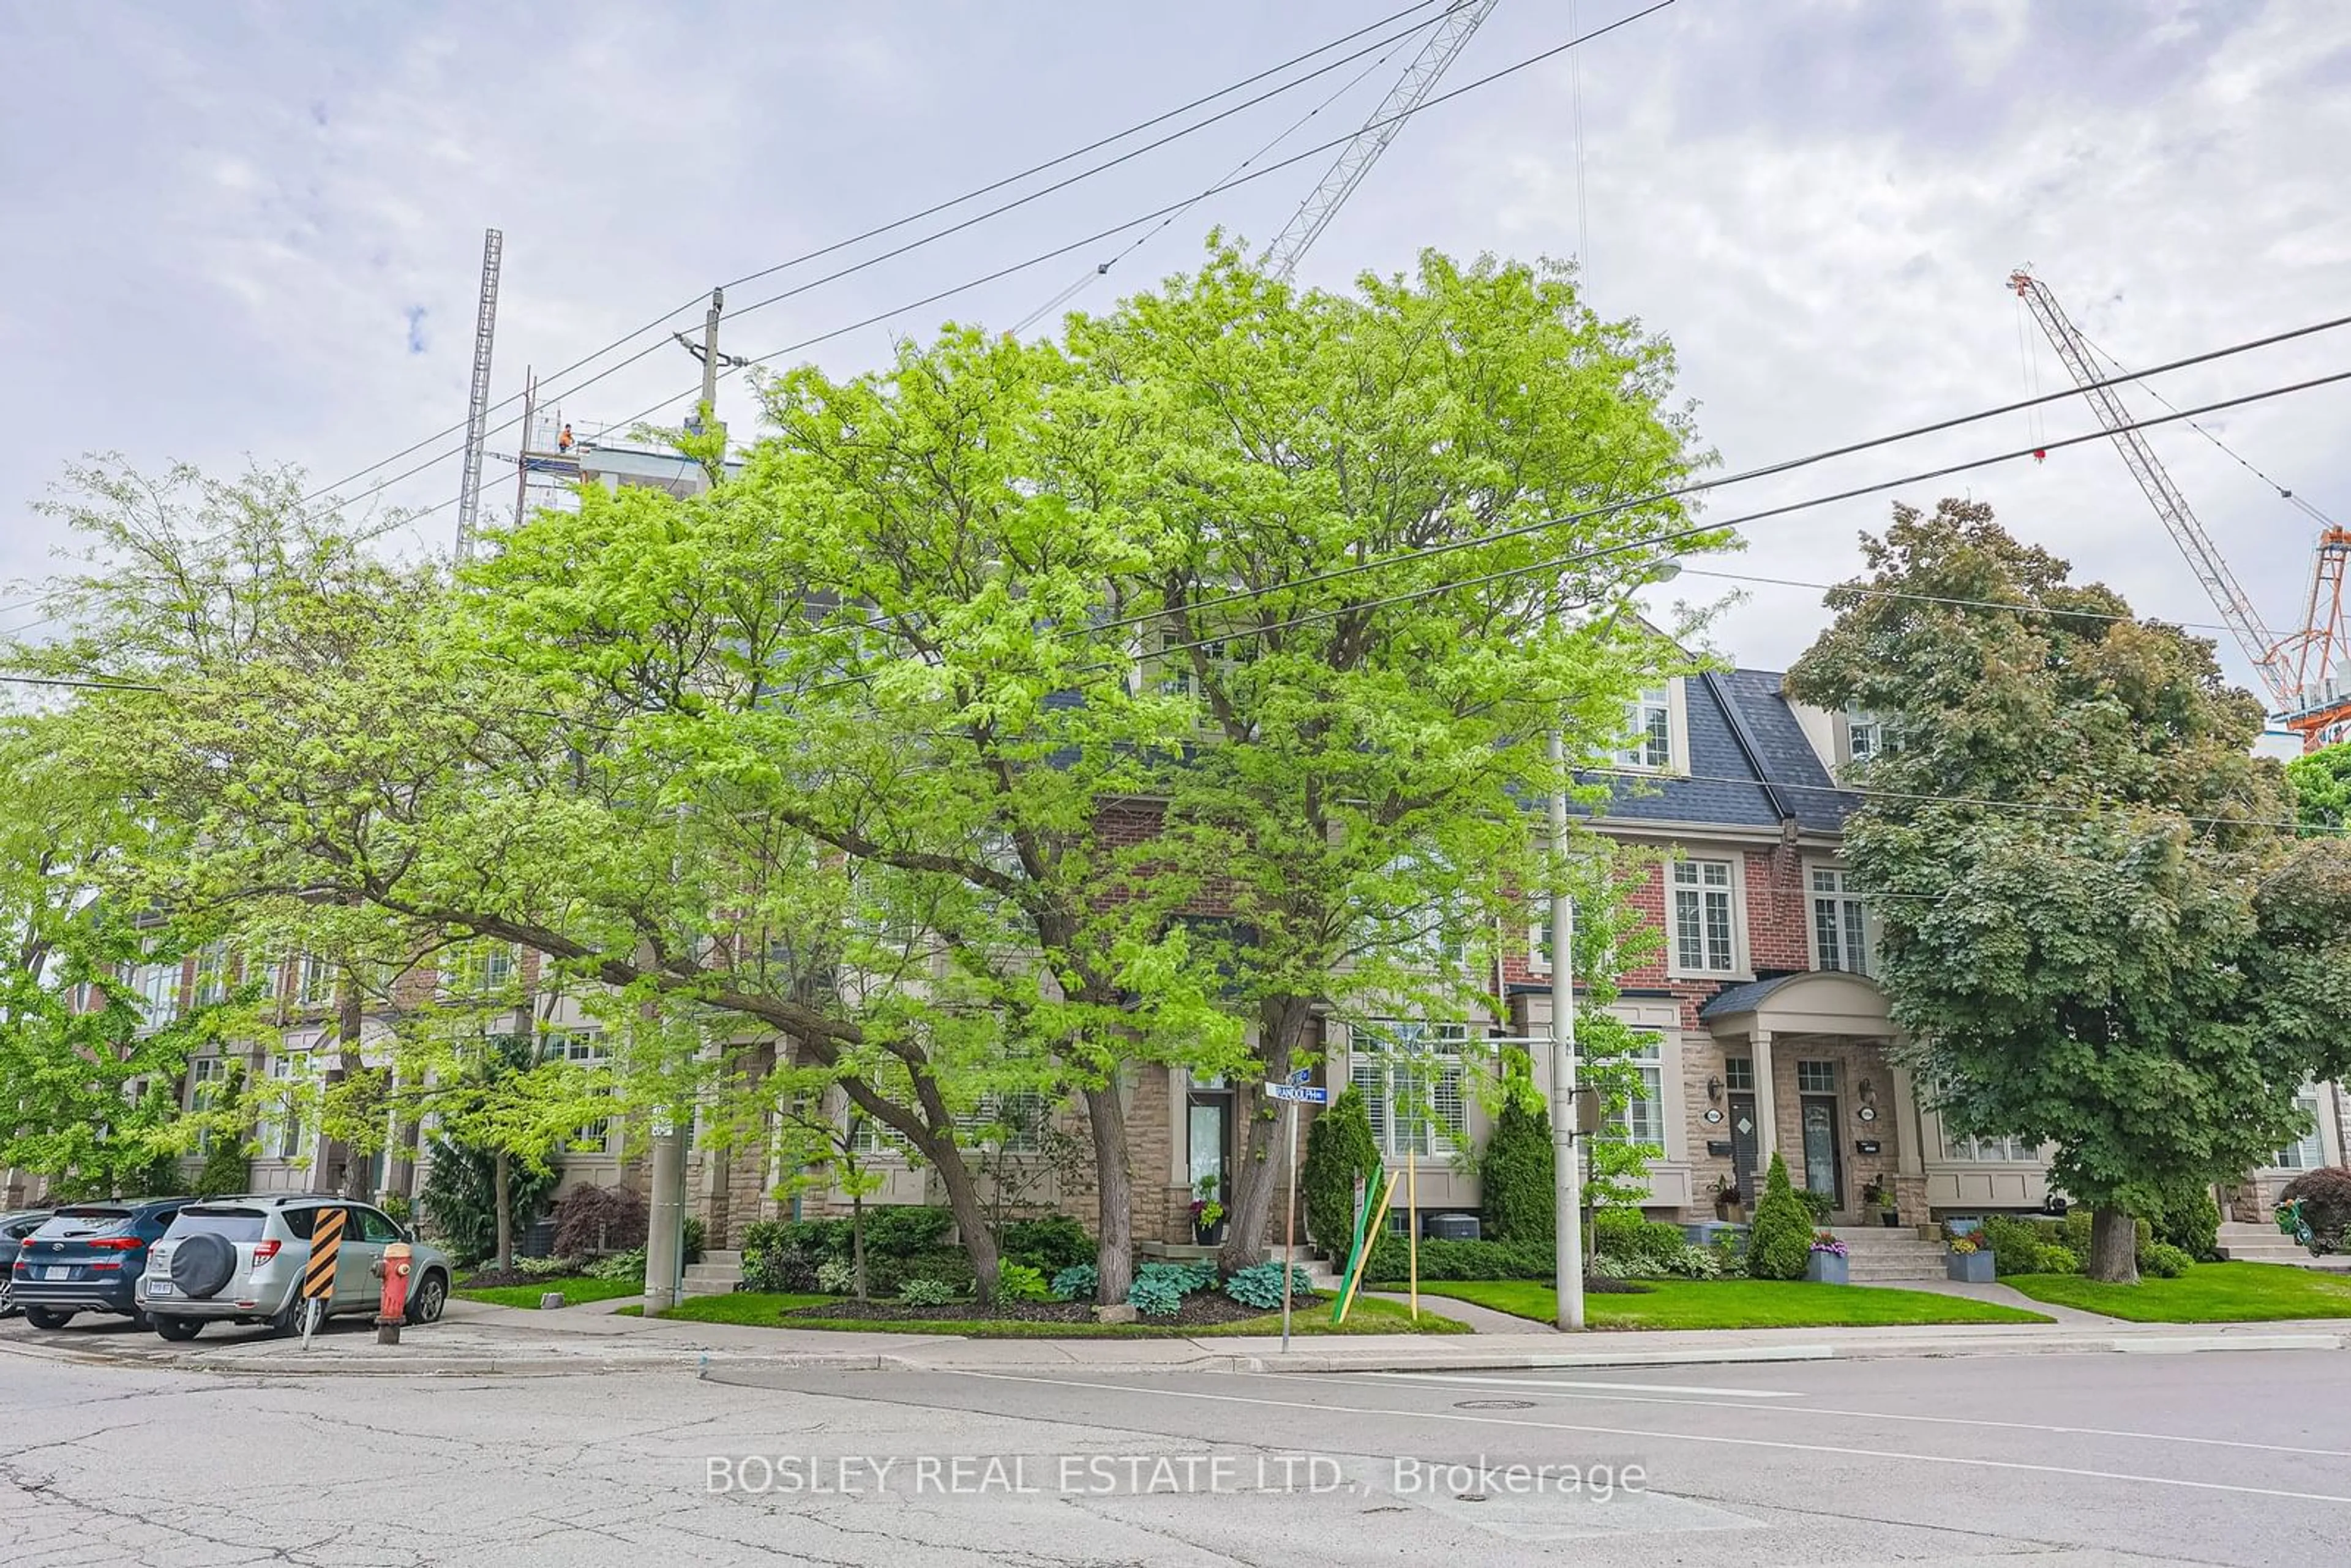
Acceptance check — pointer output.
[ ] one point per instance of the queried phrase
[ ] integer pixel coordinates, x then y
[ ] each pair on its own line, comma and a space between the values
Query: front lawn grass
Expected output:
1735, 1304
2207, 1293
576, 1289
1366, 1316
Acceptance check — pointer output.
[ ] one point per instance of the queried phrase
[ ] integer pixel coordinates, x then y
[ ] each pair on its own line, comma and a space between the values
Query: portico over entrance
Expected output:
1805, 1073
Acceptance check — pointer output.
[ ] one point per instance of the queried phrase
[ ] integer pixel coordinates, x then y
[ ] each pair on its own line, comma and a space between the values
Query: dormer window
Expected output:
1649, 727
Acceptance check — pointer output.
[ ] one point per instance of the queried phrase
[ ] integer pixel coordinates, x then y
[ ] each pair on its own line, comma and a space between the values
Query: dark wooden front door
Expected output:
1745, 1150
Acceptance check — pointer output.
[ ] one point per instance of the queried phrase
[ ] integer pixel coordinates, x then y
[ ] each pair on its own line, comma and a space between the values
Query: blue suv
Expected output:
87, 1258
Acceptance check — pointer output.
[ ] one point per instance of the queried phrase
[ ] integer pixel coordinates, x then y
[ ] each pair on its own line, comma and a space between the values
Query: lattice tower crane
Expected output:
2308, 673
1356, 158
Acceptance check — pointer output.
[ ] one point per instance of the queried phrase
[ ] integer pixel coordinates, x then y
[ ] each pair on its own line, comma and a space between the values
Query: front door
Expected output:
1745, 1151
1824, 1172
1208, 1127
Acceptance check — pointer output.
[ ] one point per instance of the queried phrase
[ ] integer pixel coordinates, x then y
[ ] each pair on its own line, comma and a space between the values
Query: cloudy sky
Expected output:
238, 231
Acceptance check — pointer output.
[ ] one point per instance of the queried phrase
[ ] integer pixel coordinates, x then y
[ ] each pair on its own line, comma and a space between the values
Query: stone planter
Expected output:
1829, 1268
1969, 1267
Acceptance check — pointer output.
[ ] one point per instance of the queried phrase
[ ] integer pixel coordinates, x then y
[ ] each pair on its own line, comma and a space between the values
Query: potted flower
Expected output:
1726, 1199
1879, 1194
1207, 1214
1828, 1264
1969, 1261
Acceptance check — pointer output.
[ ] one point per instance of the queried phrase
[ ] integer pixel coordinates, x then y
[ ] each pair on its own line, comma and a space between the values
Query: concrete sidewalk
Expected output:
478, 1340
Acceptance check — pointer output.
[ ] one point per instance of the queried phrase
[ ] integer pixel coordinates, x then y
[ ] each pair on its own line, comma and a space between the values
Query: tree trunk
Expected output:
857, 1244
1260, 1170
971, 1219
2114, 1247
351, 1020
502, 1195
1115, 1244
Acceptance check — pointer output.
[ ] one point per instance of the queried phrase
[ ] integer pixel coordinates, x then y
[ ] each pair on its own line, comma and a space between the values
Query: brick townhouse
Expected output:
1765, 1031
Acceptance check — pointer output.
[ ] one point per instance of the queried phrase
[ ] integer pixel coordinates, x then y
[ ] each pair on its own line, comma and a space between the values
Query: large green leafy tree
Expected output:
2100, 932
2322, 788
88, 1090
1372, 739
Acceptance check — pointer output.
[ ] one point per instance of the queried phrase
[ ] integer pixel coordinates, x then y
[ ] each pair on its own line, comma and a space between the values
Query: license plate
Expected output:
57, 1271
159, 1287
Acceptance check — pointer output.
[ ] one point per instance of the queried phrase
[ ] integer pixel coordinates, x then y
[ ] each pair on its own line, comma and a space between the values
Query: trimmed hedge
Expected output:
2326, 1198
1339, 1148
1460, 1260
1048, 1245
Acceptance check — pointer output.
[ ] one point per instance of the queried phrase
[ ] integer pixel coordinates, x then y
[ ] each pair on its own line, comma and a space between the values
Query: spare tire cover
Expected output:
202, 1264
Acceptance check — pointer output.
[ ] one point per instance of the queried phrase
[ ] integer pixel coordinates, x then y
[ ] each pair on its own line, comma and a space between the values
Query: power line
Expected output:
2321, 518
938, 207
1944, 599
1008, 271
1786, 466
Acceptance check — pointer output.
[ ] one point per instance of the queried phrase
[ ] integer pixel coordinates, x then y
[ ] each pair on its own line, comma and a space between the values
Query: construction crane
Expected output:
2308, 673
477, 410
1356, 158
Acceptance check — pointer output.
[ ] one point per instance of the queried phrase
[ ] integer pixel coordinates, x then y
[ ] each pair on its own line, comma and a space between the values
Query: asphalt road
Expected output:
2058, 1461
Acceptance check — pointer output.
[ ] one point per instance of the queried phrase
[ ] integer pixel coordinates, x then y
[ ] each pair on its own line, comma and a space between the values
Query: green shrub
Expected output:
925, 1293
1781, 1244
1155, 1294
2056, 1258
2162, 1260
1630, 1237
1518, 1197
460, 1198
2188, 1218
398, 1209
546, 1268
1819, 1204
1185, 1279
1048, 1245
1460, 1260
696, 1234
1020, 1282
1078, 1282
1600, 1266
1260, 1286
629, 1265
901, 1229
2017, 1247
1338, 1149
836, 1278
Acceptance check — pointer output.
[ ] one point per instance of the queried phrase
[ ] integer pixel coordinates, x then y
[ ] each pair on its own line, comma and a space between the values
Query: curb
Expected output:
715, 1366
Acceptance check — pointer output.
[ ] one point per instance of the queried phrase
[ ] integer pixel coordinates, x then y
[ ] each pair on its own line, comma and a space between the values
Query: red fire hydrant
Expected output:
391, 1308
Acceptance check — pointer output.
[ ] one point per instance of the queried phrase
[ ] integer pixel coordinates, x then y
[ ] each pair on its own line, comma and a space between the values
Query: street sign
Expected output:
1299, 1093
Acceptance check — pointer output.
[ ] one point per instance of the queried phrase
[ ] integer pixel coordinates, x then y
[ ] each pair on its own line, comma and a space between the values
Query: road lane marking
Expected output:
1434, 1380
1566, 1382
1710, 1439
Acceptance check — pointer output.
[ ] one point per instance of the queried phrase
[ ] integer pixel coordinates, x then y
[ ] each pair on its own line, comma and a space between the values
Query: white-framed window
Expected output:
286, 1137
1739, 1073
2011, 1151
1172, 662
1867, 734
205, 1076
1816, 1078
1409, 1073
212, 974
1643, 1119
1649, 730
1839, 924
1012, 1123
158, 985
869, 1140
595, 1138
584, 1046
314, 980
479, 968
1706, 916
2308, 1151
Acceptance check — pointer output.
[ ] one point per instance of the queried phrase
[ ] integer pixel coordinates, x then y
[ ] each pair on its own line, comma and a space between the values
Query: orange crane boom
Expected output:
2307, 674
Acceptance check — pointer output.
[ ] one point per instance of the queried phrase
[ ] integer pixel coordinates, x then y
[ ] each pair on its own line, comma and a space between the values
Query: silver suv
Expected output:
240, 1259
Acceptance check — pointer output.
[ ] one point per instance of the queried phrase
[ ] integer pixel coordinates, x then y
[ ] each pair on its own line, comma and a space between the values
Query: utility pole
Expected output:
1567, 1170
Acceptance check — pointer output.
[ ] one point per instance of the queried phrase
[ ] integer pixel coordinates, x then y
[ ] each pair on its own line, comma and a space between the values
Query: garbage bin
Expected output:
1449, 1227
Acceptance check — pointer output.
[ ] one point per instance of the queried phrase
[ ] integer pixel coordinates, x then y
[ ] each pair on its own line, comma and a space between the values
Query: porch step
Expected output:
2244, 1243
716, 1275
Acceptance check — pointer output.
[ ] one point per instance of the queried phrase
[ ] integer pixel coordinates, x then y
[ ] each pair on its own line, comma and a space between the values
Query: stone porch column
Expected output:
1909, 1151
1767, 1113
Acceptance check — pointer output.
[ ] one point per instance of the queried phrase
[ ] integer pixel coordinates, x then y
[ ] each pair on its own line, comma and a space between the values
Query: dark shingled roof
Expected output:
1742, 998
1732, 714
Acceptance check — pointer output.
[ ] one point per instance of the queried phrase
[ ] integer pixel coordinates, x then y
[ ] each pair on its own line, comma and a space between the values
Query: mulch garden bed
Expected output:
491, 1279
1200, 1309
